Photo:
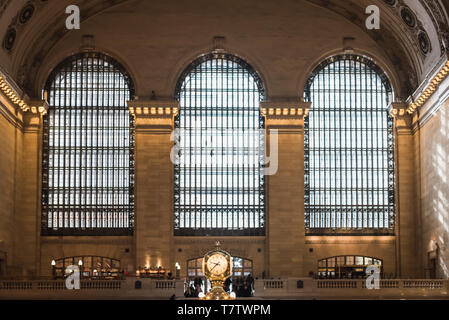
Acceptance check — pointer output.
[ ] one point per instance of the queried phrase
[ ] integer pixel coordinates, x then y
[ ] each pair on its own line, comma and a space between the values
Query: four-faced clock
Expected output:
217, 267
217, 264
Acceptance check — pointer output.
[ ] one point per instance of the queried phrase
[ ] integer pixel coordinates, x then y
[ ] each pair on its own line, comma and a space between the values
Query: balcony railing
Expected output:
279, 288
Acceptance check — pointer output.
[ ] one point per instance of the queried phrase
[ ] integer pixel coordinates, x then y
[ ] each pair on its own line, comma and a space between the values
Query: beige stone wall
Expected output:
434, 157
153, 40
407, 211
154, 191
10, 159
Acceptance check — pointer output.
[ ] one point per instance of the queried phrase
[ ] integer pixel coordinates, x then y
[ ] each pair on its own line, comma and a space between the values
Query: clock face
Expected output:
217, 264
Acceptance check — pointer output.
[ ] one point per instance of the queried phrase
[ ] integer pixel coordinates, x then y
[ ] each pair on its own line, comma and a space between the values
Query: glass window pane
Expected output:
349, 175
88, 135
220, 148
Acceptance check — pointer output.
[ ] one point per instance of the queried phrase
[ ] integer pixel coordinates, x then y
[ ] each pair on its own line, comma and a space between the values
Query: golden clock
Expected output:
217, 267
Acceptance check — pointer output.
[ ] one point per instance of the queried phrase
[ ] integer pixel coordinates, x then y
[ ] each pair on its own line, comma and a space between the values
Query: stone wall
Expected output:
153, 40
434, 158
11, 139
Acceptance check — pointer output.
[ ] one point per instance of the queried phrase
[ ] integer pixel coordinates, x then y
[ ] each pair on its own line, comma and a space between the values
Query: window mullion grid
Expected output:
194, 151
221, 148
342, 123
336, 115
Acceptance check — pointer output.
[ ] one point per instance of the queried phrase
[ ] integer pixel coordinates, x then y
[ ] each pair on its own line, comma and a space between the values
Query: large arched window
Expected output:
349, 165
219, 189
88, 149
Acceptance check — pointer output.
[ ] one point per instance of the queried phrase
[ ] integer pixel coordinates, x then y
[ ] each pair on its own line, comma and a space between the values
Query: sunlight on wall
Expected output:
435, 188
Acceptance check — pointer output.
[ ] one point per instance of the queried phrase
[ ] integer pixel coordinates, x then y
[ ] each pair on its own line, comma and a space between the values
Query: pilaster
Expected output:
153, 237
28, 198
285, 206
407, 194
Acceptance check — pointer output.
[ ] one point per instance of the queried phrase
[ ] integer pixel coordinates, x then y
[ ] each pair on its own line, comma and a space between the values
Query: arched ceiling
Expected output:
32, 33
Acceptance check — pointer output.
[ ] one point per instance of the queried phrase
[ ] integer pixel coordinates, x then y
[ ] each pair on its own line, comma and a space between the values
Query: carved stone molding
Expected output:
154, 108
429, 89
438, 16
402, 119
285, 110
18, 98
412, 25
19, 22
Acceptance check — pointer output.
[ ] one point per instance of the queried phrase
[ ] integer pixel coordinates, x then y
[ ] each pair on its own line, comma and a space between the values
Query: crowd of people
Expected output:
241, 286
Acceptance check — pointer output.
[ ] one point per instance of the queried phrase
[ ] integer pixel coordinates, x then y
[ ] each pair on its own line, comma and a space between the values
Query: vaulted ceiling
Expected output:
414, 34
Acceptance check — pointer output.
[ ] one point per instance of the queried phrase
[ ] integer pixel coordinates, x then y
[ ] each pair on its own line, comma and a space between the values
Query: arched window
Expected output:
91, 267
349, 146
219, 189
343, 267
88, 149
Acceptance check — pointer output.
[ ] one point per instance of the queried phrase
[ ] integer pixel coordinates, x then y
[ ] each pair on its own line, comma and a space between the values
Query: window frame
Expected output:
351, 231
247, 68
67, 65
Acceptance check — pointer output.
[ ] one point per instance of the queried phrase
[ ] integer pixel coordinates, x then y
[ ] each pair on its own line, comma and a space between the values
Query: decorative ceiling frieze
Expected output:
437, 13
50, 36
414, 26
3, 6
18, 23
29, 63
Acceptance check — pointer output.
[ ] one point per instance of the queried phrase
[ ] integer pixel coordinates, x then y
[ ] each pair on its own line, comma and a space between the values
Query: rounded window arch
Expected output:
220, 149
348, 266
88, 148
349, 148
94, 267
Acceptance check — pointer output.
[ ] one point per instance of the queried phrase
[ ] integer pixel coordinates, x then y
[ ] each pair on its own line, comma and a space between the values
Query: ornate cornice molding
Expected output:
429, 88
155, 109
402, 119
18, 98
285, 110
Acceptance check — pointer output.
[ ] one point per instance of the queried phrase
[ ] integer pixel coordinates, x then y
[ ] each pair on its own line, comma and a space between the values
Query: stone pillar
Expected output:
153, 231
28, 209
285, 189
407, 223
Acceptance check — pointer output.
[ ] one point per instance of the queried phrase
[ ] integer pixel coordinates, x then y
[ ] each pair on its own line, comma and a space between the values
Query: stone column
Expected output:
407, 199
153, 231
28, 209
285, 189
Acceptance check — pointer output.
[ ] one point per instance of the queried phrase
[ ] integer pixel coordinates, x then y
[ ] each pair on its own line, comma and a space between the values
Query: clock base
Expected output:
217, 293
